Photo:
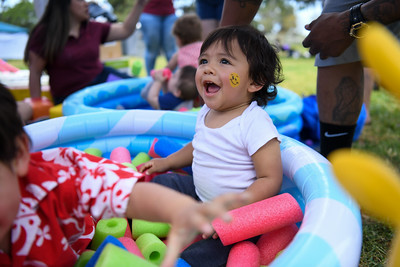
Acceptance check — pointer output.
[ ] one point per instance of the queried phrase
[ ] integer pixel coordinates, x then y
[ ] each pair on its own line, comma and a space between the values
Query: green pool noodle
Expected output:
84, 258
93, 151
130, 165
116, 256
140, 227
140, 158
152, 248
115, 227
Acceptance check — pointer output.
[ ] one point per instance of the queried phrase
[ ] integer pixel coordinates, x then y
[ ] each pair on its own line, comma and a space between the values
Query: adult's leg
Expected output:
340, 97
151, 29
239, 12
168, 40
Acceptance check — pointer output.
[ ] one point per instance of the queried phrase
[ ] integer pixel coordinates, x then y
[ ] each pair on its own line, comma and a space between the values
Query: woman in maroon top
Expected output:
66, 46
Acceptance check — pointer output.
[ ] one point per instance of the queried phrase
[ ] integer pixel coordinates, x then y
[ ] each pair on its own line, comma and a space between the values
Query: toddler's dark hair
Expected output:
11, 126
264, 64
187, 83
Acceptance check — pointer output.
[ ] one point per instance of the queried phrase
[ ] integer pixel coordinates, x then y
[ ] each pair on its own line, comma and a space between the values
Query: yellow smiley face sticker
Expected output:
234, 79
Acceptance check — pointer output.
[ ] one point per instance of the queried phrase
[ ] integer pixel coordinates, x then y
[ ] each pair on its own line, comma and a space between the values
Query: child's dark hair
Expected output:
188, 28
11, 126
264, 64
187, 83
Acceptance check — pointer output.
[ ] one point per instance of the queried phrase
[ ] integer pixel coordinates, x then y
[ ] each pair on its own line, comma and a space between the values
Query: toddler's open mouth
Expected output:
211, 87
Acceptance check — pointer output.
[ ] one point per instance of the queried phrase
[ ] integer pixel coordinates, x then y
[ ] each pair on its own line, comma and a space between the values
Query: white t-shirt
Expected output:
222, 157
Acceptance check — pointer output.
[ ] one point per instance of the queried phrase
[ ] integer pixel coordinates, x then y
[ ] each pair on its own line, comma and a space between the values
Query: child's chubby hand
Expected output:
155, 165
197, 218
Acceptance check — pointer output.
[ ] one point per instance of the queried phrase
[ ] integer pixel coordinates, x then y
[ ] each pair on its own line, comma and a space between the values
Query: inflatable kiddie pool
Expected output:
331, 231
285, 110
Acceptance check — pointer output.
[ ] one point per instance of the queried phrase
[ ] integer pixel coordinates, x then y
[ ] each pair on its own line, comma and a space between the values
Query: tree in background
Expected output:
22, 14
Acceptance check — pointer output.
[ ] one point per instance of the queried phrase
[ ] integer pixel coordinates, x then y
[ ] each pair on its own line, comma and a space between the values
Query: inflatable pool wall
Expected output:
331, 231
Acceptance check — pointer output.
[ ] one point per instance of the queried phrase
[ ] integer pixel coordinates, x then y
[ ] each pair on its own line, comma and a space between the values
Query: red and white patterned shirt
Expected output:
63, 194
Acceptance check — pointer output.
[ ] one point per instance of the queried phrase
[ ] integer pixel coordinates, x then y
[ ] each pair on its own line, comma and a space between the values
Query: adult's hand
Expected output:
329, 34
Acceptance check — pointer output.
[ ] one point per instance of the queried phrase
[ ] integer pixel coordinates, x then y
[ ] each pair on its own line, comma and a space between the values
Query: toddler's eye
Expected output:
225, 61
202, 61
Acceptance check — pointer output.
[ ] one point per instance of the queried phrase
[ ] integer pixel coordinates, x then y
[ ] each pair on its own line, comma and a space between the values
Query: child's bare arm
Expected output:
268, 165
173, 62
179, 159
153, 202
153, 94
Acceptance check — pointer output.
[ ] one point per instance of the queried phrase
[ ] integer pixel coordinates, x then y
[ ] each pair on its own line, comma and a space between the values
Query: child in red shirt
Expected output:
49, 200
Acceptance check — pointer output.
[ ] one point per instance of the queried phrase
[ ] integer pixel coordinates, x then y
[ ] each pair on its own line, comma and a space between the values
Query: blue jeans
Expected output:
157, 35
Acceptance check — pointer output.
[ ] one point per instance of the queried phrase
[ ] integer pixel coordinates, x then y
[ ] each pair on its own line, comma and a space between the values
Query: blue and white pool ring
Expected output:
331, 231
285, 110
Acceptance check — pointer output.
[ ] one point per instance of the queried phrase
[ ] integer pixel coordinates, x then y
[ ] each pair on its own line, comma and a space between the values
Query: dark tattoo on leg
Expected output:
348, 101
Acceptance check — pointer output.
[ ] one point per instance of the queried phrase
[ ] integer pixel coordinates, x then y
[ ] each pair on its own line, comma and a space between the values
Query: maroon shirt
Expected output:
79, 62
159, 7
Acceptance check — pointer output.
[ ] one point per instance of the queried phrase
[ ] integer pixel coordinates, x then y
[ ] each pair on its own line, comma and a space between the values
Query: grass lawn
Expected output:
381, 137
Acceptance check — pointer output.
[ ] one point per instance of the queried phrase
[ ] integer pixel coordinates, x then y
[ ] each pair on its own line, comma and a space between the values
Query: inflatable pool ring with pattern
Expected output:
331, 231
285, 110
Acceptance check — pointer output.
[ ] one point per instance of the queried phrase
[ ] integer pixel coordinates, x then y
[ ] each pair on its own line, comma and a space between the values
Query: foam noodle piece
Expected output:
120, 154
140, 158
140, 227
108, 240
271, 243
84, 258
163, 147
258, 218
128, 231
115, 227
94, 151
244, 254
115, 256
152, 248
131, 246
181, 263
130, 165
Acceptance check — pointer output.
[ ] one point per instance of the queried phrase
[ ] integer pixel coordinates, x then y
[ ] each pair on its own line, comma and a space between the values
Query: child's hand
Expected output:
187, 223
155, 165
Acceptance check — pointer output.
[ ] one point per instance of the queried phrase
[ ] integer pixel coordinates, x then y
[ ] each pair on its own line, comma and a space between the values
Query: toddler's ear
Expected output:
254, 87
21, 162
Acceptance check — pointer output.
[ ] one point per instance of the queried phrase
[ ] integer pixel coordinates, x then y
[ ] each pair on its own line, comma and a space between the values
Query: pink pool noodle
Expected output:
121, 154
258, 218
244, 254
271, 243
128, 231
131, 246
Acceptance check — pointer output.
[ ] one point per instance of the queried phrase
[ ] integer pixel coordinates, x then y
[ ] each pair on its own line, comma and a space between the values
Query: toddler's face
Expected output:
222, 78
9, 200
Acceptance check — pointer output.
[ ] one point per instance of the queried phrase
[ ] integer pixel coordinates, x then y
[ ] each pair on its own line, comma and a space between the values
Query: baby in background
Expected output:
172, 91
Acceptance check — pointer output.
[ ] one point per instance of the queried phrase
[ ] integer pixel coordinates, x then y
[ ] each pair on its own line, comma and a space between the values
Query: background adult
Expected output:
210, 12
340, 72
340, 78
66, 44
157, 20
